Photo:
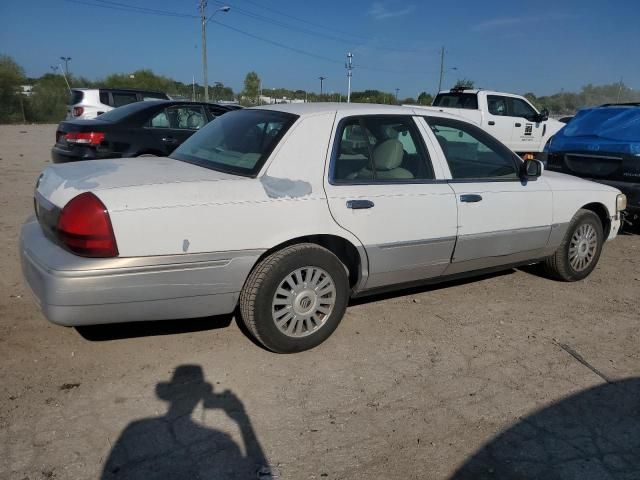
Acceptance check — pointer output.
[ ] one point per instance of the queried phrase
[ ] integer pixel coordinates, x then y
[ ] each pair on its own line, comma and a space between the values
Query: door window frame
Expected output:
421, 148
517, 161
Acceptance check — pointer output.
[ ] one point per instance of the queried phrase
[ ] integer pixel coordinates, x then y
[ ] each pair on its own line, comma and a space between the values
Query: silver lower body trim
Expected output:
75, 291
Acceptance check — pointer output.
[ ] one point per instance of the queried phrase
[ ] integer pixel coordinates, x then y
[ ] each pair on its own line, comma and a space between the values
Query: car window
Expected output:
497, 105
153, 96
236, 142
380, 148
471, 153
183, 117
123, 98
75, 97
520, 108
457, 100
104, 98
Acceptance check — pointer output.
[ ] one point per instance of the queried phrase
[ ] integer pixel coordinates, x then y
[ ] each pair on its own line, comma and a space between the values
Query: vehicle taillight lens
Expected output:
85, 138
84, 227
77, 111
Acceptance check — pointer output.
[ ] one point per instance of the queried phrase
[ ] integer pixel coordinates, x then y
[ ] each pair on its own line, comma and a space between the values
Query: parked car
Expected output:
88, 103
508, 117
602, 144
143, 128
287, 211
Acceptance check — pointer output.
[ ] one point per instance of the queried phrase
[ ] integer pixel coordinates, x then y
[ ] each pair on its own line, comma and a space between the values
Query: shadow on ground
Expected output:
118, 331
593, 435
175, 447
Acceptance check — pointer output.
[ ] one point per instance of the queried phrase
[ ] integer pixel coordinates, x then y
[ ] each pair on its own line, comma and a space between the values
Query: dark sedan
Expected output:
143, 128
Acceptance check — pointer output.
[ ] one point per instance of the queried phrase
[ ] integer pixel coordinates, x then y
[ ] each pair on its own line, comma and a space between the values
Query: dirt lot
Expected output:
507, 376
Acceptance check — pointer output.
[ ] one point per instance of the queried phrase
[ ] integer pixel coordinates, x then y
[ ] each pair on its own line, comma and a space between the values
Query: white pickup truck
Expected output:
509, 118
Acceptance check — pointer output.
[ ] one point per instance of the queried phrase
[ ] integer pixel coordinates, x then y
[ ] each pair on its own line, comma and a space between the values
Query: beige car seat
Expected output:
387, 158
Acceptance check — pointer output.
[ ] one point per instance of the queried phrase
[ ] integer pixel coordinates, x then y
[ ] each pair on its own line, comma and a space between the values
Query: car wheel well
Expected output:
603, 214
340, 247
148, 153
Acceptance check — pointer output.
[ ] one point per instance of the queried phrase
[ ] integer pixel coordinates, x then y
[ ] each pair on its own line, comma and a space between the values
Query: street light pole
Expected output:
349, 67
322, 79
397, 90
204, 20
66, 61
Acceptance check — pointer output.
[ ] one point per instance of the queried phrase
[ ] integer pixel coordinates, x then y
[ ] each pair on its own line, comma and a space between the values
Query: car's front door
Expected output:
383, 188
502, 219
527, 132
498, 122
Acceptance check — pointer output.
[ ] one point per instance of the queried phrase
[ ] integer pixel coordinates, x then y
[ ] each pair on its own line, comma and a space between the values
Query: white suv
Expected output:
88, 103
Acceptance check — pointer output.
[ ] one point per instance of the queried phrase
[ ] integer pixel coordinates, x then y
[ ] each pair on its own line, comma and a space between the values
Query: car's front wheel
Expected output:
579, 252
294, 299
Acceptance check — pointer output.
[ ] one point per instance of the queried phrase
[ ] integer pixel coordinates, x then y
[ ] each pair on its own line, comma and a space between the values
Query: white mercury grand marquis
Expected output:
287, 211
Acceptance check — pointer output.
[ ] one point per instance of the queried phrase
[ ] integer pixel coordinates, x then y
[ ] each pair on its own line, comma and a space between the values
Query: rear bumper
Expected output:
77, 154
75, 291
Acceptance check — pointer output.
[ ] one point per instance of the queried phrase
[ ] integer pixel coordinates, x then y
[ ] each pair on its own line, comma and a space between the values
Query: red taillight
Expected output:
84, 227
85, 138
77, 111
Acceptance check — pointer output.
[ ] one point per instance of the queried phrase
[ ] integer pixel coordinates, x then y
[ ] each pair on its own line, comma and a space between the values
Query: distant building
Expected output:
26, 90
264, 100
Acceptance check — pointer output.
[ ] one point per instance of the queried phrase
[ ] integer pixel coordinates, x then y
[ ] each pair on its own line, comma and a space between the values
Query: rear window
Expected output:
237, 142
456, 100
122, 112
123, 98
75, 97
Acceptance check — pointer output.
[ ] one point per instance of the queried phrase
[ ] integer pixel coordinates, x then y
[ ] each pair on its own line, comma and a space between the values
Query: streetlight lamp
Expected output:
322, 79
205, 20
66, 61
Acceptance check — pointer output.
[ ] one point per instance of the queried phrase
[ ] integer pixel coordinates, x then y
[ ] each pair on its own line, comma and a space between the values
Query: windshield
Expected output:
457, 100
237, 142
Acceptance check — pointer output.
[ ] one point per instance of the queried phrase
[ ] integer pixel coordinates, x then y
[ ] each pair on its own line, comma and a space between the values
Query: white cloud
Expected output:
380, 11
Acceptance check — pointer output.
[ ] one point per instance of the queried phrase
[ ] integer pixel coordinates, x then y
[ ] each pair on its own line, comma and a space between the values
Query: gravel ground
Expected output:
506, 376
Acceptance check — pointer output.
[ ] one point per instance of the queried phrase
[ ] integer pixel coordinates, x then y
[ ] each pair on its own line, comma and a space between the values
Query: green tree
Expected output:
464, 83
425, 99
252, 86
11, 99
49, 100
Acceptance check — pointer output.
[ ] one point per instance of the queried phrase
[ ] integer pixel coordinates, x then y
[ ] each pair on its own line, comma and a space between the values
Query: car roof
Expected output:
312, 108
126, 89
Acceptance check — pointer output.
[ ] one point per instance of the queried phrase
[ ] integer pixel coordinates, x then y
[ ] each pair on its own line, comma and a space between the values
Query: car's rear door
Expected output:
498, 122
383, 188
502, 219
173, 125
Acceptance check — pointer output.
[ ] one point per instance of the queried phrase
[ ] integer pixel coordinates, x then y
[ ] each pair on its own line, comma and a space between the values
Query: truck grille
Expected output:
592, 165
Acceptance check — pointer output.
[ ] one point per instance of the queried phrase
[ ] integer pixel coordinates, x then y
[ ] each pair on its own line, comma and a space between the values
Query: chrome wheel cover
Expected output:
583, 247
303, 301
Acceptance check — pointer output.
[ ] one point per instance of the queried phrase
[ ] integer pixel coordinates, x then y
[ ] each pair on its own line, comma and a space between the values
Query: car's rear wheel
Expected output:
579, 252
295, 298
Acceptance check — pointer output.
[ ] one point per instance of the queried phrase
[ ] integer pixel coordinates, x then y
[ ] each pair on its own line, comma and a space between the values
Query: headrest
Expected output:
388, 155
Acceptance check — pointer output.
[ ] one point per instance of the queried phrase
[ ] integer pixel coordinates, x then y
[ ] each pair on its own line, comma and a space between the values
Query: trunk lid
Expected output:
60, 183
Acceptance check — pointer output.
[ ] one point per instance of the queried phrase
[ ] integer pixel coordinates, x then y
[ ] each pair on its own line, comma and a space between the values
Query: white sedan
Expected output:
288, 211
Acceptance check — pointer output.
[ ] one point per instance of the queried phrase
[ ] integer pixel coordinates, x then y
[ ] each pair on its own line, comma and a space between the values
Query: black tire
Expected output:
559, 266
260, 288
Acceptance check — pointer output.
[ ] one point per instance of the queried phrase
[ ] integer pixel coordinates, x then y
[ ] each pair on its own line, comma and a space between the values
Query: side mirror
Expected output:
544, 115
531, 169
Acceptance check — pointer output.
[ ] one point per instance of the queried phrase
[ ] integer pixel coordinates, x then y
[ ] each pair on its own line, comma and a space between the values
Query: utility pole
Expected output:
322, 79
205, 74
66, 61
193, 85
441, 69
397, 90
349, 67
619, 90
204, 20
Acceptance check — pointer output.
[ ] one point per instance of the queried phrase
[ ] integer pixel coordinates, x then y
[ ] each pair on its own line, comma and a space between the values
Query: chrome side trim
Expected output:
407, 261
501, 243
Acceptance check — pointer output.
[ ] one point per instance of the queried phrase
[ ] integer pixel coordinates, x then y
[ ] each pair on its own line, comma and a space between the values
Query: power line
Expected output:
108, 4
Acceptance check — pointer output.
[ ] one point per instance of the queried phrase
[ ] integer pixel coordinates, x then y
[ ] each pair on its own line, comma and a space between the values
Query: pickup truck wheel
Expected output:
579, 252
295, 298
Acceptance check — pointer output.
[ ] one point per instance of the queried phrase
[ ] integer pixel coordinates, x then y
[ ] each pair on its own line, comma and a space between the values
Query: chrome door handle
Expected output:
359, 204
470, 198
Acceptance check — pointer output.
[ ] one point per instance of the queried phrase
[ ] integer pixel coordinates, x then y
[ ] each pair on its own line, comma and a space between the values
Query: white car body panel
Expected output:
198, 232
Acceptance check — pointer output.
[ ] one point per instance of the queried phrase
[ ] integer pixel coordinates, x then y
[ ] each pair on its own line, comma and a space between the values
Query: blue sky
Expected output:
541, 46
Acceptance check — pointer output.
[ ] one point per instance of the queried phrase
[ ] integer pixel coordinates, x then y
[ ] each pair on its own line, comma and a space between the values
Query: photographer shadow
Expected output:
174, 446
